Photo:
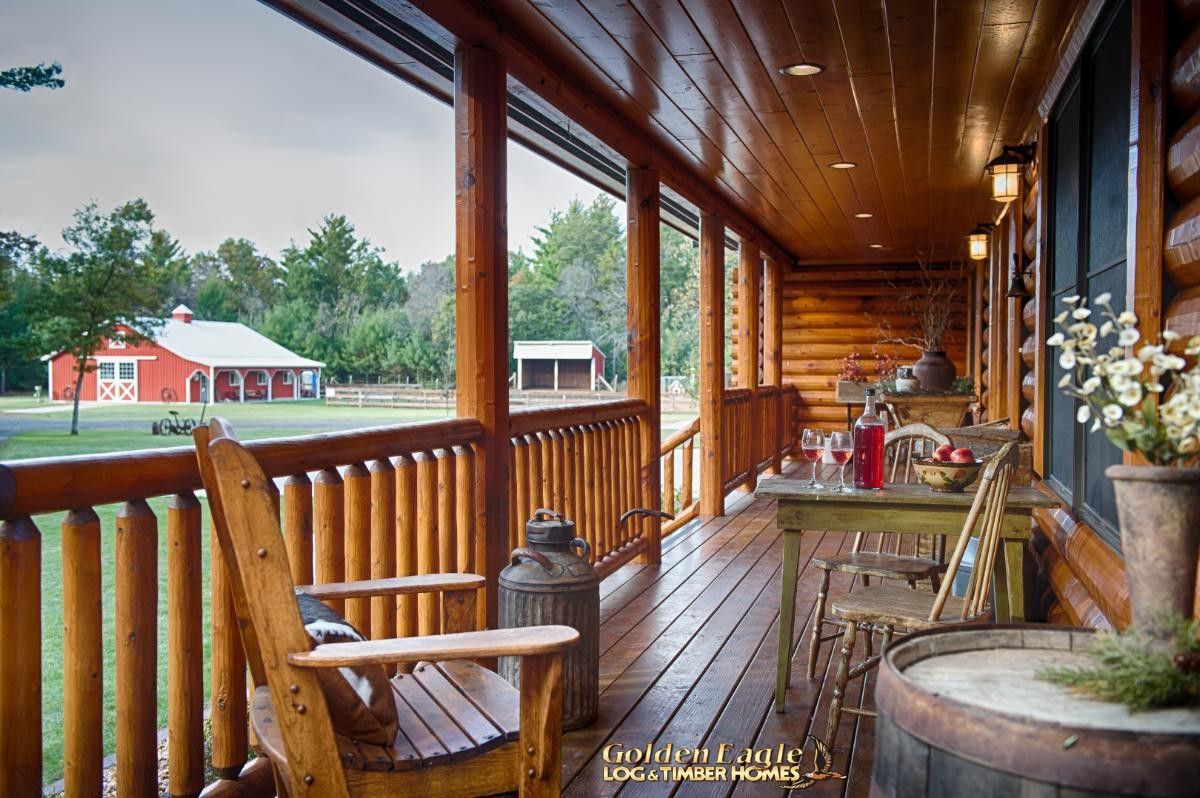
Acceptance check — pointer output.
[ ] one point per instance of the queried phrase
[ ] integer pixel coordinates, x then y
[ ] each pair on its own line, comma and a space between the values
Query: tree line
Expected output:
334, 296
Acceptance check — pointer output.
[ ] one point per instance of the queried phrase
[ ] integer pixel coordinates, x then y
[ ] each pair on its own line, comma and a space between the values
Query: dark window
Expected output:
1088, 181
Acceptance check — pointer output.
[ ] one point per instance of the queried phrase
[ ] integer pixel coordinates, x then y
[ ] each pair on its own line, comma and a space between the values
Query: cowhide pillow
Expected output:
360, 699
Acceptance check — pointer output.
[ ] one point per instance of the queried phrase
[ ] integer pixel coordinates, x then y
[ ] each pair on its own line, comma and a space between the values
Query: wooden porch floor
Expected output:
687, 656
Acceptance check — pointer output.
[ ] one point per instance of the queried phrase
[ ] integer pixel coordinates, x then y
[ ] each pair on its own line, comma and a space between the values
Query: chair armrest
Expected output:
400, 585
527, 641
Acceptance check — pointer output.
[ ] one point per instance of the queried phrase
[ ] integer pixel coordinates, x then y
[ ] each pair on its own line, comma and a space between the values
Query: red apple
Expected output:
943, 452
962, 456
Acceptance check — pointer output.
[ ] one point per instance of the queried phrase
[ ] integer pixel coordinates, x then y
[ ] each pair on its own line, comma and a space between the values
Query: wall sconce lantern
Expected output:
1005, 170
977, 241
1016, 286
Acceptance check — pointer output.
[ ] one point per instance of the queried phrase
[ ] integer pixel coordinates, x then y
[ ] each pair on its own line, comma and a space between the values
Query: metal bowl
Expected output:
947, 477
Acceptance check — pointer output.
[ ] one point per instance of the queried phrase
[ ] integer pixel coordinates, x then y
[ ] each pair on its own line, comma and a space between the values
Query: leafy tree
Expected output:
578, 258
26, 78
18, 345
164, 254
428, 352
103, 285
235, 283
679, 286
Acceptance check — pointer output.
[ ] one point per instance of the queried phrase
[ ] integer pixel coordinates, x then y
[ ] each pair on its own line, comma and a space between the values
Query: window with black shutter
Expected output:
1087, 214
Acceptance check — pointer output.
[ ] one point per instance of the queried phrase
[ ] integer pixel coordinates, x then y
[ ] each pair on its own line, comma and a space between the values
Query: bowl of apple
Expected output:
949, 469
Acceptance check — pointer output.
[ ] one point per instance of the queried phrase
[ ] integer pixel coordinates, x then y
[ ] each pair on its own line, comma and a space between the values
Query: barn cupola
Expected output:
182, 313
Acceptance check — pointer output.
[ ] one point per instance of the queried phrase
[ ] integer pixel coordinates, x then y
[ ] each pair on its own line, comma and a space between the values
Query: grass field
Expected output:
98, 435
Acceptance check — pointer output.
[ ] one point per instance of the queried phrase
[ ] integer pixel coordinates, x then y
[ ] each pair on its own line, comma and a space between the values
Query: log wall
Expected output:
831, 311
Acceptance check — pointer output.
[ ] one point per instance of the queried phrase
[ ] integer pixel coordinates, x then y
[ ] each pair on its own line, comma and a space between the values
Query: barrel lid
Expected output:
548, 526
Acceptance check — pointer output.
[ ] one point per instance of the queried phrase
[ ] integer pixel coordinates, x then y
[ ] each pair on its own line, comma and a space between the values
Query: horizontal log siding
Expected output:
828, 312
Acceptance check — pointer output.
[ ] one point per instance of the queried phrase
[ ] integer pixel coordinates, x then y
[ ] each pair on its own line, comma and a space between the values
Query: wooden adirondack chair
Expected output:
464, 731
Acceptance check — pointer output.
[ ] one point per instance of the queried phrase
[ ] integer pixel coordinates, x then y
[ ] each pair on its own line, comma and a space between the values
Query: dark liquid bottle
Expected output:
868, 447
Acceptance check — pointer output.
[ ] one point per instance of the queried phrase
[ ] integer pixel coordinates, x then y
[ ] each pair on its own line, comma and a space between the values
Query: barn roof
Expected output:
555, 350
227, 344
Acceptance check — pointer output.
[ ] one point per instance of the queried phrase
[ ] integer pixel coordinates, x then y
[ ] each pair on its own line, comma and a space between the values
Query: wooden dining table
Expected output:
905, 509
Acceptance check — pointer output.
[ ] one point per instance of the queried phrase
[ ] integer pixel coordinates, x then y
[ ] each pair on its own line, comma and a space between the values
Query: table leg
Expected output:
1014, 580
787, 614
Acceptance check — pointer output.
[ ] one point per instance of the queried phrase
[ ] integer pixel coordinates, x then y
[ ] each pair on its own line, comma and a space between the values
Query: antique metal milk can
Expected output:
548, 583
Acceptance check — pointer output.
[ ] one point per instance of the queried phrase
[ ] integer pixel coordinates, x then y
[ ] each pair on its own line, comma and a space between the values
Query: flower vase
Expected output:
1159, 511
935, 371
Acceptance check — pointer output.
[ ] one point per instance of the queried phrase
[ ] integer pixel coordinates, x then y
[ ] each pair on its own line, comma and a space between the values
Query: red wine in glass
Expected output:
841, 448
812, 446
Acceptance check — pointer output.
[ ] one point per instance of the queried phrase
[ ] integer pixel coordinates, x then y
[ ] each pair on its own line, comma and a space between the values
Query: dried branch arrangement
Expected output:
929, 300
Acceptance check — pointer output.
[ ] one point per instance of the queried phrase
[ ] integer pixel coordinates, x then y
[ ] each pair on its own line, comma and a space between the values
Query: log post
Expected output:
749, 283
137, 649
1015, 333
20, 658
773, 352
1147, 153
83, 657
481, 258
645, 339
185, 653
712, 362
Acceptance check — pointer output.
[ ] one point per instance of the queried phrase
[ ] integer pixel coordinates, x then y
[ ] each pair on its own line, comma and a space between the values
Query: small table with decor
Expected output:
905, 509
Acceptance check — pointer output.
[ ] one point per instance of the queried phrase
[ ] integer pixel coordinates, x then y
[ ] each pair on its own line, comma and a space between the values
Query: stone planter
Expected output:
1159, 511
935, 371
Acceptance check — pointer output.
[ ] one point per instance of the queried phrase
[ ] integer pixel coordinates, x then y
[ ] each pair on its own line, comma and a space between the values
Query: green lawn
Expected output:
252, 421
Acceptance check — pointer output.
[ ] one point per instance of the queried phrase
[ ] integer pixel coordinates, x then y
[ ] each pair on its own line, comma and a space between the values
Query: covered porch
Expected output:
827, 150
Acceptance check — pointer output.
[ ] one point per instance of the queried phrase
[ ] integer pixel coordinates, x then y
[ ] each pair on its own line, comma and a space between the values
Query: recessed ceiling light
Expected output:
803, 69
876, 246
863, 215
843, 165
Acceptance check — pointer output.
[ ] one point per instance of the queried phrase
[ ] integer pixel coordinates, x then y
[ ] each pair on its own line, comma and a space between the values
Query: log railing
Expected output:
583, 461
355, 505
750, 448
736, 407
679, 498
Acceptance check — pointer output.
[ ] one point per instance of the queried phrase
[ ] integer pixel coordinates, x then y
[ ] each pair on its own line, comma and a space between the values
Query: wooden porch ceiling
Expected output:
919, 93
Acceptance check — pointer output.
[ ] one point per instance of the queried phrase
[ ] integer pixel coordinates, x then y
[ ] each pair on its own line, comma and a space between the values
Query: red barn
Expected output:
181, 362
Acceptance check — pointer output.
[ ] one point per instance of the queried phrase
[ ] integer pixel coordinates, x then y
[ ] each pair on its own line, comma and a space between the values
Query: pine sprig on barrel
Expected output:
1131, 673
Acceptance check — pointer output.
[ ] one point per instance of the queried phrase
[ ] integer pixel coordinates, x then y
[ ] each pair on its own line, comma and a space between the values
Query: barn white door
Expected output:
116, 381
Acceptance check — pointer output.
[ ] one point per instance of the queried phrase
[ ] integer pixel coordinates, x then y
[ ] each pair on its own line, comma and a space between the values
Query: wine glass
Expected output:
841, 447
812, 445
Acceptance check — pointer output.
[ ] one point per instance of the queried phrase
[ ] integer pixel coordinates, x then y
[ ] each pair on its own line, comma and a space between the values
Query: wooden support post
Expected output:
137, 649
185, 652
83, 656
481, 257
645, 340
20, 658
749, 283
1016, 331
712, 362
773, 353
1147, 153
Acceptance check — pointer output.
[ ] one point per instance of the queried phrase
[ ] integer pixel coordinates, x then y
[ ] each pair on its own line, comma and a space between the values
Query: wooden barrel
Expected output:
961, 713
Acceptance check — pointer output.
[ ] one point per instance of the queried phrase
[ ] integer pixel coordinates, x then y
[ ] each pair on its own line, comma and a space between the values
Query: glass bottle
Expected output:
868, 447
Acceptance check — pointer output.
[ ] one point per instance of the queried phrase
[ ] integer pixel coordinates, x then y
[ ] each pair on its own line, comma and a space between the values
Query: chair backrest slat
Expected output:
987, 512
252, 543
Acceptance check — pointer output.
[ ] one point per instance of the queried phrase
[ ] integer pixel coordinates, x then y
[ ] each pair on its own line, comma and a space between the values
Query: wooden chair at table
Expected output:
504, 739
889, 607
886, 555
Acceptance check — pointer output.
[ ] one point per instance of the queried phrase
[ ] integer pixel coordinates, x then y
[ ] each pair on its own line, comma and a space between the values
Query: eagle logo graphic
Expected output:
822, 766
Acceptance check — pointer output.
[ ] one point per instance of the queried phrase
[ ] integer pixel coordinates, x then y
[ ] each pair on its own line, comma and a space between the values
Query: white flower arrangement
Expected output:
1146, 400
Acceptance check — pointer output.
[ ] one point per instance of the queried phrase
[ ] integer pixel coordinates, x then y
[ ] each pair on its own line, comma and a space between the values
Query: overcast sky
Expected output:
232, 120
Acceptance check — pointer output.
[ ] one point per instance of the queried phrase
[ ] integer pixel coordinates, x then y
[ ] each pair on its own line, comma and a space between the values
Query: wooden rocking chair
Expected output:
888, 607
884, 558
463, 731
